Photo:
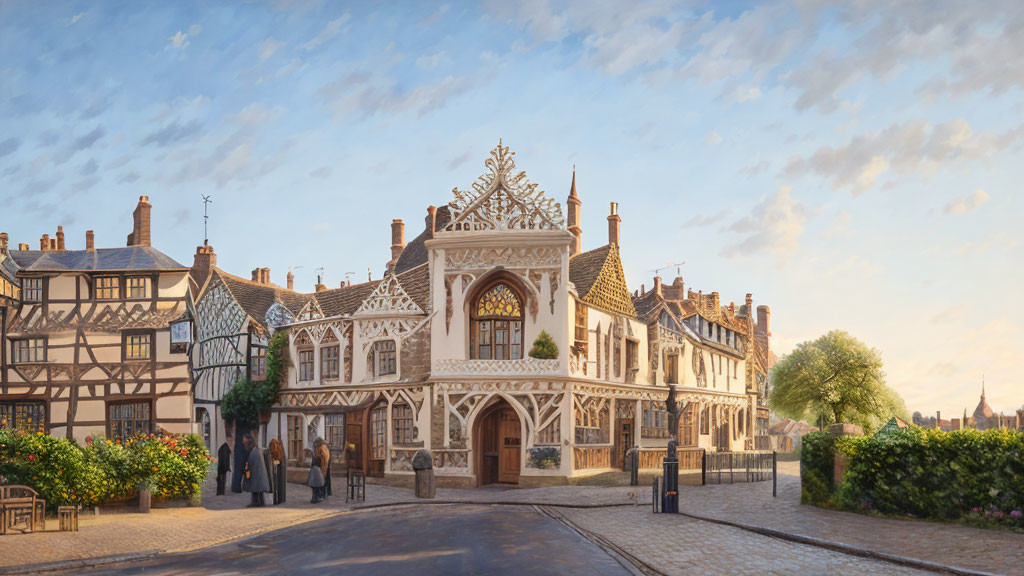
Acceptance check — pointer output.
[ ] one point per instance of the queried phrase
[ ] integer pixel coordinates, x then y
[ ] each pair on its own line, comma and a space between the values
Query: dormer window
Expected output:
497, 331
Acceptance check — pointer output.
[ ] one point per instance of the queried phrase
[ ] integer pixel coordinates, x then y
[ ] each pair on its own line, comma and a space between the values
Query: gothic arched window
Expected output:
497, 331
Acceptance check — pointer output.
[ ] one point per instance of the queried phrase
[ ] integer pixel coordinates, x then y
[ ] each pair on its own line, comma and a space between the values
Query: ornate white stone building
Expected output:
436, 354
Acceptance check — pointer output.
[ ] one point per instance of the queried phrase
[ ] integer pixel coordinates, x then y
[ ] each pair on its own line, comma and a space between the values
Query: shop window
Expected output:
128, 419
27, 416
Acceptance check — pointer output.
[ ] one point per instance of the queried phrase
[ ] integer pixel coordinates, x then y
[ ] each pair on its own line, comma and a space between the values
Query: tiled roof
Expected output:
646, 303
8, 267
101, 259
255, 298
415, 252
585, 266
346, 300
600, 281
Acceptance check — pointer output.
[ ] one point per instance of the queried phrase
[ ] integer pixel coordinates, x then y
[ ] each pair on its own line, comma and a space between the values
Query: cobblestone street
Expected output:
669, 544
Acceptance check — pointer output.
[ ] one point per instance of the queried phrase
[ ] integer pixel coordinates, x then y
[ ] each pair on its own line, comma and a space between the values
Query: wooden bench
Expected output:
21, 509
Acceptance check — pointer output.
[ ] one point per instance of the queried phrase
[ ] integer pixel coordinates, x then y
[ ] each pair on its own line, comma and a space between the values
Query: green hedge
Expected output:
65, 473
926, 473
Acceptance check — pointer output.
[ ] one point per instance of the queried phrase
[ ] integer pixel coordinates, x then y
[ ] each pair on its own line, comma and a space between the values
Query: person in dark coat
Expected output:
254, 479
316, 475
277, 468
223, 467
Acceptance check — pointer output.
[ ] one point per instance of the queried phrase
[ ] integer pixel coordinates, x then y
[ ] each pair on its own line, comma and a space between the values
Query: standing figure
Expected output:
316, 475
325, 459
223, 467
254, 478
277, 466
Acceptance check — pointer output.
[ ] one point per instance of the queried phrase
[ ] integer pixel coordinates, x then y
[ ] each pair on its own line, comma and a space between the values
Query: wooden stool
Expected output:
67, 517
356, 486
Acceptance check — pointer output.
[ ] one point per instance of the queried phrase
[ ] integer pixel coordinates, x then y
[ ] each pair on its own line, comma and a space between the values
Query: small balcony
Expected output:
452, 368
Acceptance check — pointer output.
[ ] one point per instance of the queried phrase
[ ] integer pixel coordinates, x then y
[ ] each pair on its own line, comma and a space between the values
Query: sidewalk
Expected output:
971, 549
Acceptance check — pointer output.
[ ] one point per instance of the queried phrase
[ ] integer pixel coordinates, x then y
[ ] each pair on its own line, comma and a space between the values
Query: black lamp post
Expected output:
670, 467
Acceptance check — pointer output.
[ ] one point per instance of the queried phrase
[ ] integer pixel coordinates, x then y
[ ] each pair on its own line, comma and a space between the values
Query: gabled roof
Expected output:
255, 298
600, 281
347, 300
8, 267
102, 259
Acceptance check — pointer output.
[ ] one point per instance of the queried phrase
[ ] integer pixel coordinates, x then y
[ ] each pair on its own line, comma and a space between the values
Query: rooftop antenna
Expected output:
676, 265
320, 275
348, 277
206, 219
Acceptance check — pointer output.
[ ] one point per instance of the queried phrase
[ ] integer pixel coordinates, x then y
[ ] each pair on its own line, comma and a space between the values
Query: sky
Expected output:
855, 168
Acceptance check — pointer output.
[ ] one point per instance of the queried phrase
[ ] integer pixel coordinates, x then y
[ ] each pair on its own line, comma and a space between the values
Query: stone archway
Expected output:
498, 444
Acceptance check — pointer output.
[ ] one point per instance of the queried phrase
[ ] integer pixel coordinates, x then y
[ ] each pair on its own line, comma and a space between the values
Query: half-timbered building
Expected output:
86, 337
233, 321
436, 354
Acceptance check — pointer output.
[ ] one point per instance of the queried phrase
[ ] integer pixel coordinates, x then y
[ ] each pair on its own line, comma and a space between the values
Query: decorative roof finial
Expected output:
572, 190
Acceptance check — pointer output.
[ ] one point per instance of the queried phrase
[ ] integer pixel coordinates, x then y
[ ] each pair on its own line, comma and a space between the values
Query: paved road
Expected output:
422, 540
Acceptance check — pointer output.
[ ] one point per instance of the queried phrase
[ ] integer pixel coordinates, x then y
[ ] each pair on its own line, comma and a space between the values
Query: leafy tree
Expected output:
544, 347
246, 399
835, 378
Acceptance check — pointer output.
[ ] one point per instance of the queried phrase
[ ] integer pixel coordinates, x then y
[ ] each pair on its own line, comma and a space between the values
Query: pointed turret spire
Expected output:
573, 205
982, 387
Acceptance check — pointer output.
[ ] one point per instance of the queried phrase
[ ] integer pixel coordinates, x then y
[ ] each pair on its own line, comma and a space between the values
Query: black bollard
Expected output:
670, 473
633, 457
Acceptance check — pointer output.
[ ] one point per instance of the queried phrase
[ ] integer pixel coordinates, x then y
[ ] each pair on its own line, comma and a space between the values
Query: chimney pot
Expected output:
657, 285
60, 238
90, 241
3, 241
431, 220
291, 280
203, 263
614, 224
265, 279
44, 242
22, 246
256, 275
764, 316
397, 241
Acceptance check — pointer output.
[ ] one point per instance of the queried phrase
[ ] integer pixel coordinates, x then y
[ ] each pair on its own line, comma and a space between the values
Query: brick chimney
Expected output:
44, 242
764, 316
573, 205
290, 280
657, 285
140, 235
714, 301
22, 247
60, 238
431, 220
3, 242
203, 262
397, 241
613, 224
265, 276
750, 305
90, 241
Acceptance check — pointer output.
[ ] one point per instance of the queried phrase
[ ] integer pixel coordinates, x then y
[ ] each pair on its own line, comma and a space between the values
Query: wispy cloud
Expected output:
964, 204
774, 225
180, 40
331, 30
362, 95
269, 47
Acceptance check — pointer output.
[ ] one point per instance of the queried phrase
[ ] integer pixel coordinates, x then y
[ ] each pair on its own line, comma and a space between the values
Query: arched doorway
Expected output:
498, 443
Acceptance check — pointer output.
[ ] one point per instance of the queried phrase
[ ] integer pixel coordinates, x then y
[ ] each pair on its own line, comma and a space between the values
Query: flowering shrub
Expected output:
65, 473
926, 473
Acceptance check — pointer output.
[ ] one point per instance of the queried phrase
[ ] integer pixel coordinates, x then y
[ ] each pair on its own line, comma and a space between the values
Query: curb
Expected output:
632, 563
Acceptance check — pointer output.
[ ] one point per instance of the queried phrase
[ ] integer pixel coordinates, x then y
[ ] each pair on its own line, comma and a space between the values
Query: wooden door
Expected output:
623, 442
510, 434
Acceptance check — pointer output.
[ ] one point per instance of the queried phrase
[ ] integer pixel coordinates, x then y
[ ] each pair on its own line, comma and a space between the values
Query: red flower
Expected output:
88, 439
184, 452
31, 457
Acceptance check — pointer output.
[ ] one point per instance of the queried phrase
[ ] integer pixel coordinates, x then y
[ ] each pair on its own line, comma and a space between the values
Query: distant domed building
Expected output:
984, 418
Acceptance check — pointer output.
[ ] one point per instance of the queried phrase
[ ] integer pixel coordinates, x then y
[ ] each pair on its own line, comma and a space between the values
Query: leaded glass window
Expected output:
401, 417
498, 325
27, 416
127, 420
